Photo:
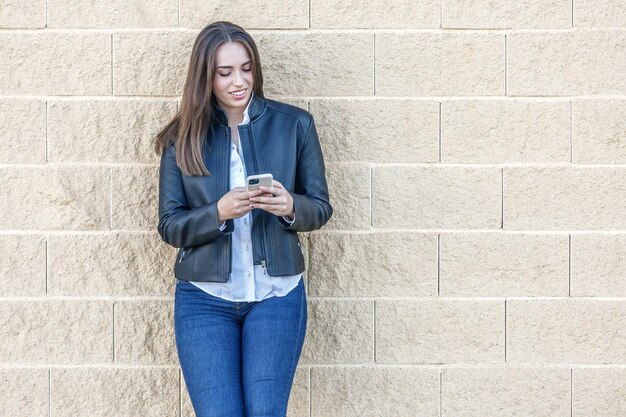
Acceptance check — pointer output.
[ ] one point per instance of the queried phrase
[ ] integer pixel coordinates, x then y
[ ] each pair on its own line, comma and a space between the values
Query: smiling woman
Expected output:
240, 307
234, 70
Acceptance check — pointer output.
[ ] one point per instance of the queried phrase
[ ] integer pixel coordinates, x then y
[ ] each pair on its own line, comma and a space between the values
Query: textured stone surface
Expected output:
185, 404
112, 13
407, 308
55, 63
497, 131
299, 396
23, 134
497, 264
598, 265
598, 392
120, 392
23, 266
566, 331
599, 131
599, 13
22, 14
439, 331
436, 197
54, 198
151, 63
393, 14
279, 14
458, 64
383, 130
24, 392
339, 331
301, 63
564, 198
110, 264
510, 391
135, 197
349, 190
374, 392
373, 264
55, 331
531, 14
566, 63
144, 332
106, 130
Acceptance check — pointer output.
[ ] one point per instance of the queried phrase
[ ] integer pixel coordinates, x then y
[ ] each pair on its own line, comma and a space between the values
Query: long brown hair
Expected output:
195, 119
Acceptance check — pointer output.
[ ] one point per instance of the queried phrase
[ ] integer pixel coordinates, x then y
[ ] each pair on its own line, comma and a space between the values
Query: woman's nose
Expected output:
238, 78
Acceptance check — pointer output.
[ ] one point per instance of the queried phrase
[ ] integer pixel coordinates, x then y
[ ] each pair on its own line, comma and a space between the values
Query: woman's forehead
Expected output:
231, 54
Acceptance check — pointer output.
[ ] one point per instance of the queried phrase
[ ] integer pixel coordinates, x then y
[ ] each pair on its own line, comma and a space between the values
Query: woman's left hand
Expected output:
280, 204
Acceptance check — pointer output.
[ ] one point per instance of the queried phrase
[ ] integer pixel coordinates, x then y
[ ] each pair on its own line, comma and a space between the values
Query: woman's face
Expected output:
233, 74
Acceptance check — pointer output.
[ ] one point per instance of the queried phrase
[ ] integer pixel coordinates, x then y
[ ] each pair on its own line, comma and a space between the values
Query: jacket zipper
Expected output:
182, 255
230, 241
256, 166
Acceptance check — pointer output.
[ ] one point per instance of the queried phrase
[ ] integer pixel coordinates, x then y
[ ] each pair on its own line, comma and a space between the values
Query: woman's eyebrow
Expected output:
230, 66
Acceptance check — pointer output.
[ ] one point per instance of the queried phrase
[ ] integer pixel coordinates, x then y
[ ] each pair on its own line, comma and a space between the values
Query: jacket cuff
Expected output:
227, 226
284, 220
289, 222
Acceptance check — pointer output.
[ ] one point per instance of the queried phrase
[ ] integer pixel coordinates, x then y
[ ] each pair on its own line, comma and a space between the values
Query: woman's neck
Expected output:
234, 119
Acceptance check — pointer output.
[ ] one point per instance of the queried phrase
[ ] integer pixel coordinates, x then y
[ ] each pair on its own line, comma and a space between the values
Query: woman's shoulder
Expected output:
169, 147
282, 109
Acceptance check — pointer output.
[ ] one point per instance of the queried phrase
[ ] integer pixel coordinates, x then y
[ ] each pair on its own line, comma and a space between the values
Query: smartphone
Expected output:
253, 182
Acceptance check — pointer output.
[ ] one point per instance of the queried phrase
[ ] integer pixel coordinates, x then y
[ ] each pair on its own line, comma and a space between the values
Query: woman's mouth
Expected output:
238, 93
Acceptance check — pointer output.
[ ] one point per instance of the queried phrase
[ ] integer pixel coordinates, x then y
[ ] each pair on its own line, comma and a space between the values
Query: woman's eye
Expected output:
247, 69
225, 75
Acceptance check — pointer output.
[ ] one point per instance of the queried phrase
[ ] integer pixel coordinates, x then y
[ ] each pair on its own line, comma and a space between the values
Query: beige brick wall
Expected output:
476, 155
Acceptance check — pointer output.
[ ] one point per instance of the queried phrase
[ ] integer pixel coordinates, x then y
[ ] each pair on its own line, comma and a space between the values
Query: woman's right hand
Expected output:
235, 203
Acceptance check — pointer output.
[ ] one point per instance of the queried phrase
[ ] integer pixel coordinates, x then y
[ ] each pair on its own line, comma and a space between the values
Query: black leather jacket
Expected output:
280, 139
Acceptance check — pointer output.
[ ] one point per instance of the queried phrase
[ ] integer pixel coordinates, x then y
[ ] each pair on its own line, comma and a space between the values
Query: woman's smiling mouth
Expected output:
238, 93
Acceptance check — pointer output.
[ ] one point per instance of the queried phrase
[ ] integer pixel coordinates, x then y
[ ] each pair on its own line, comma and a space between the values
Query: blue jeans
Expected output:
238, 358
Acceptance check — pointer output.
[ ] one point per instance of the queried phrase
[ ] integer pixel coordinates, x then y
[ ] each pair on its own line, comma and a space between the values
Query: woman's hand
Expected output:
235, 203
280, 204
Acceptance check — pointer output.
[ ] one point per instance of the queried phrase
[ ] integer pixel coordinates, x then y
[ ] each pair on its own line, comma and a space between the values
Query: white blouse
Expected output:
248, 282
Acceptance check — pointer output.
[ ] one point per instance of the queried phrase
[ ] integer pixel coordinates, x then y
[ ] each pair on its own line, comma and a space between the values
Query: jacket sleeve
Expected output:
180, 225
311, 202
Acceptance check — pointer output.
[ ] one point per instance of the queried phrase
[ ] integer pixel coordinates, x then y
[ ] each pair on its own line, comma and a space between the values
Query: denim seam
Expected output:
293, 360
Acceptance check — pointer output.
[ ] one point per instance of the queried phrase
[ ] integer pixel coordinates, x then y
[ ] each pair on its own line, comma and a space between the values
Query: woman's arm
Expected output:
311, 202
180, 225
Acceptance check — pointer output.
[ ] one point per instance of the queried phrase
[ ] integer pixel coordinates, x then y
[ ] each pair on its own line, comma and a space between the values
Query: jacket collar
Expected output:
254, 109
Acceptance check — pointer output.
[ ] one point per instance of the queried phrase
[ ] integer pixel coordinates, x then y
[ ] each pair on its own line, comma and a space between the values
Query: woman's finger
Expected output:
268, 200
248, 194
273, 190
274, 209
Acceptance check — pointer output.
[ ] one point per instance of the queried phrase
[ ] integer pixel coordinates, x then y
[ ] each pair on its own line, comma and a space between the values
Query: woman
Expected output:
240, 303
